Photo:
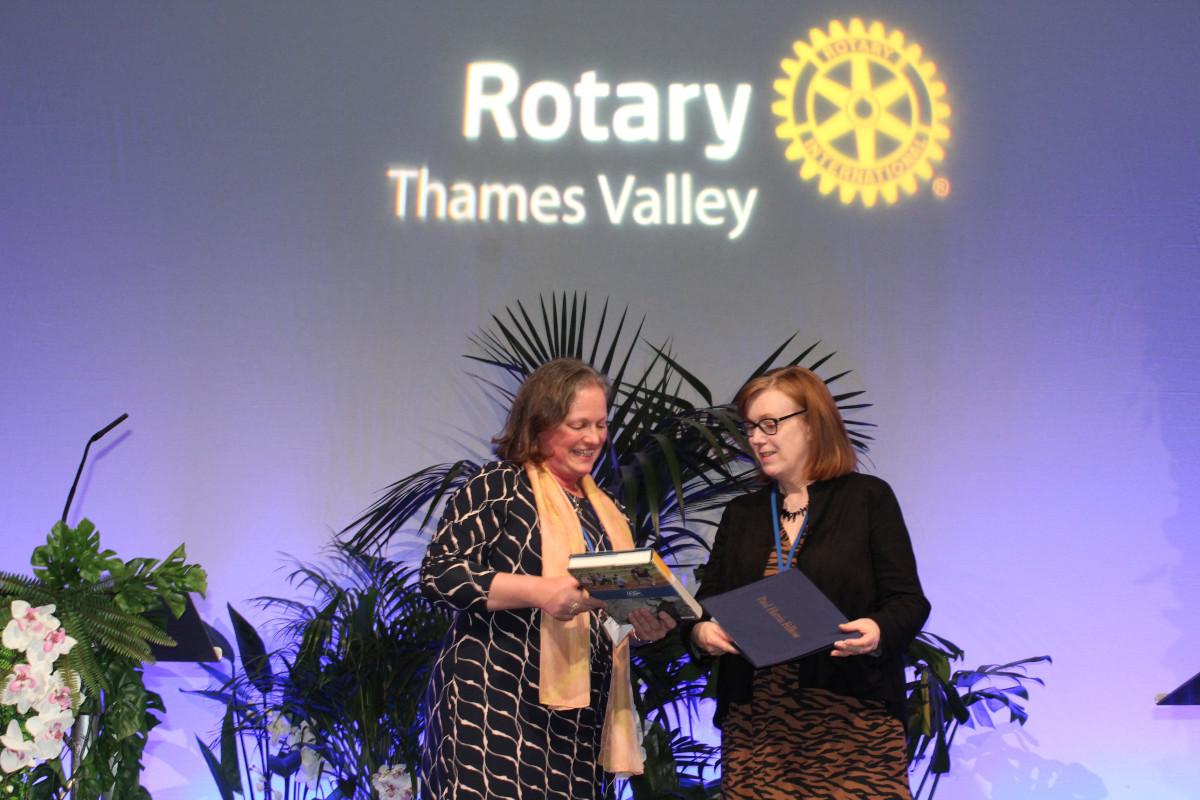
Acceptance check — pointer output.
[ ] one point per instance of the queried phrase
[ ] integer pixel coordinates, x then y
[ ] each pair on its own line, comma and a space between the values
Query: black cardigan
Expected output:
857, 551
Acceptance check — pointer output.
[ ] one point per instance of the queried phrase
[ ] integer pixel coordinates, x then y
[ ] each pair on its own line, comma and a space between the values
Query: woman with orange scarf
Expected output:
529, 696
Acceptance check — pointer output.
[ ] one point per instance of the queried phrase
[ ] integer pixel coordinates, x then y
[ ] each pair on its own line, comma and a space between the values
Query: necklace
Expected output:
576, 500
779, 534
789, 516
792, 516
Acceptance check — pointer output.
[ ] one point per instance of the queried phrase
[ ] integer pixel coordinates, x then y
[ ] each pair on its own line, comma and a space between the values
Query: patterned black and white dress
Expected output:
487, 735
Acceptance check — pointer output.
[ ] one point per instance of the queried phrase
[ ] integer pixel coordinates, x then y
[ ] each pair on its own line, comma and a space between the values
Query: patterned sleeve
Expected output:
457, 570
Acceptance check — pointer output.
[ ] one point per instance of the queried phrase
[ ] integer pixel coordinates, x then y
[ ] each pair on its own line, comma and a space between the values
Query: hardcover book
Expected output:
778, 618
627, 580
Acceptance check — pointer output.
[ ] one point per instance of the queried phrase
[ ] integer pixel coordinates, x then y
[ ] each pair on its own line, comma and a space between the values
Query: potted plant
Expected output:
333, 710
97, 615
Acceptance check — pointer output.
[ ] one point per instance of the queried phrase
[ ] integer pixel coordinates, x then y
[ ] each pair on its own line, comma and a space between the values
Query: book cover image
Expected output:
625, 587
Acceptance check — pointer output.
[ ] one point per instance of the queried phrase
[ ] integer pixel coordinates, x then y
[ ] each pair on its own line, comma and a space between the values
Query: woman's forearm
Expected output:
511, 591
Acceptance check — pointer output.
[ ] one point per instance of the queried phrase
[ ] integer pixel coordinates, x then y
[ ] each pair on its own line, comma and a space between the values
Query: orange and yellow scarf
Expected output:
566, 645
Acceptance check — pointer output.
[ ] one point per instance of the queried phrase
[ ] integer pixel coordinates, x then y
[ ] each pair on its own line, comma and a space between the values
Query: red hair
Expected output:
831, 453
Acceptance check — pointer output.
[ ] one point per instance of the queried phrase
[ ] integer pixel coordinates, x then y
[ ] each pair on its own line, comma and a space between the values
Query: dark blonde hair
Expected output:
541, 403
831, 454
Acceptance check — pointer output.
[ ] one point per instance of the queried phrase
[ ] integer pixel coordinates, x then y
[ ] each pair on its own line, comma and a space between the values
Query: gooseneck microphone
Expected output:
95, 438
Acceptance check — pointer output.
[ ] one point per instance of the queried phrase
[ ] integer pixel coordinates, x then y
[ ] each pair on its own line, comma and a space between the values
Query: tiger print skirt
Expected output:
785, 744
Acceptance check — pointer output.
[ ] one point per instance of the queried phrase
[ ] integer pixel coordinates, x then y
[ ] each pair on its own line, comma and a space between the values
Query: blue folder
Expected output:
778, 618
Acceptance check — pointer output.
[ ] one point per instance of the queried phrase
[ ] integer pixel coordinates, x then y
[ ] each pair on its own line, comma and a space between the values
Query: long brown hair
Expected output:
830, 453
541, 403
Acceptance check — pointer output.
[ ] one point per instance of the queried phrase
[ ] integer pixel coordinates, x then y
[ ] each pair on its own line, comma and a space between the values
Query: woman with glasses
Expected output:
829, 724
529, 697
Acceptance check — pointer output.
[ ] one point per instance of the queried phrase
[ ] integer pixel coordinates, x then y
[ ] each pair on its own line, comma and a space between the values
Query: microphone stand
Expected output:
95, 438
81, 732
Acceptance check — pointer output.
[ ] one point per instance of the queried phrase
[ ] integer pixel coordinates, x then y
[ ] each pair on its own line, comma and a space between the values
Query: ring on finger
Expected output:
574, 608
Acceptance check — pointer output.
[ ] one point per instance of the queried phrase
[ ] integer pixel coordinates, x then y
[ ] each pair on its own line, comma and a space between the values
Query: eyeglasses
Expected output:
768, 425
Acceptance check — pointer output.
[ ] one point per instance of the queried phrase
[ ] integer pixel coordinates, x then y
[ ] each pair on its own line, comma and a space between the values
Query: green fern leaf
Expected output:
82, 658
21, 587
114, 639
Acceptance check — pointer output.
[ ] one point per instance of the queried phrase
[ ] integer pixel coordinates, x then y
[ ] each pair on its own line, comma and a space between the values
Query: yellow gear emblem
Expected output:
861, 110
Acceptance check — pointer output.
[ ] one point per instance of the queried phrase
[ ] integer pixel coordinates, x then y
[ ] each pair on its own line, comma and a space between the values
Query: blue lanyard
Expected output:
588, 543
779, 538
587, 540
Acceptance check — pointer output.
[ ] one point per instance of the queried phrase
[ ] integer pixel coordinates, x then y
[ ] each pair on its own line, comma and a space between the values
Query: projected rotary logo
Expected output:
862, 113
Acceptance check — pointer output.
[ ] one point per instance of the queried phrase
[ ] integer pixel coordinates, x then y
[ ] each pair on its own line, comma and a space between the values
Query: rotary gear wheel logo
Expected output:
862, 112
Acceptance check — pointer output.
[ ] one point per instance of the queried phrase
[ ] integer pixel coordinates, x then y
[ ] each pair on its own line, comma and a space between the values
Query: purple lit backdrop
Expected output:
195, 227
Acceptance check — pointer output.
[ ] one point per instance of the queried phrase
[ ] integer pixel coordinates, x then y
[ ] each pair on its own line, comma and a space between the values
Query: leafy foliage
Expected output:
666, 455
107, 605
353, 664
940, 703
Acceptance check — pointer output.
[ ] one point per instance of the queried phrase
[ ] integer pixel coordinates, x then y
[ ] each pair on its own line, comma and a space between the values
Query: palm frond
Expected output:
403, 500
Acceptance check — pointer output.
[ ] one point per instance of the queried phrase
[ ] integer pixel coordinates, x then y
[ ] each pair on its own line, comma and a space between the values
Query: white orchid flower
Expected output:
54, 644
311, 762
18, 751
57, 697
392, 783
310, 765
26, 686
300, 735
49, 732
280, 728
28, 625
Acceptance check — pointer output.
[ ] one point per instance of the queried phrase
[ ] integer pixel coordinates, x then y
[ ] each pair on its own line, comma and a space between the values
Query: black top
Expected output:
857, 551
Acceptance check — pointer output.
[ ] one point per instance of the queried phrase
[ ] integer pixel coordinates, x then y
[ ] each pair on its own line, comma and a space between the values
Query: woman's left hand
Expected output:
866, 643
650, 627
